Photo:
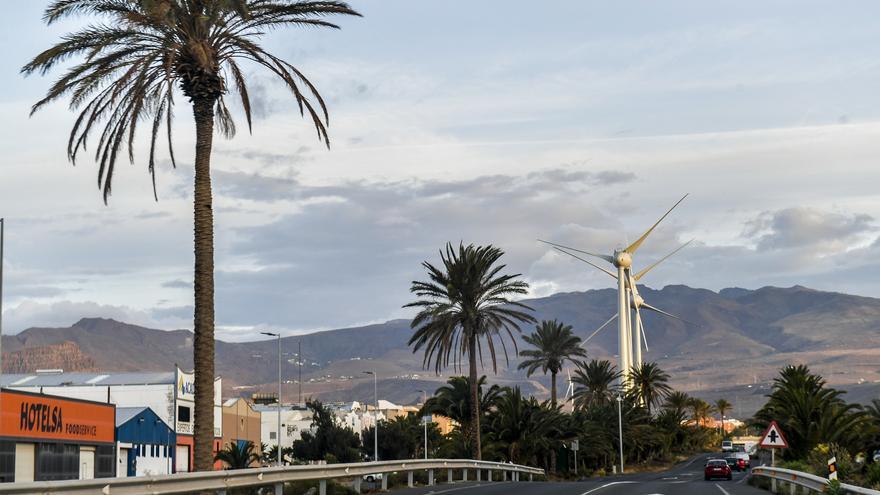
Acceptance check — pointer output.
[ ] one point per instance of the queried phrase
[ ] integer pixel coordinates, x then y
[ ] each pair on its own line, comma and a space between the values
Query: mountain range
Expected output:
733, 341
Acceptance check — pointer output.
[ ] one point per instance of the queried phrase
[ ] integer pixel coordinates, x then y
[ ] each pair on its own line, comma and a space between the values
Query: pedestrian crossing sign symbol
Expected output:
772, 438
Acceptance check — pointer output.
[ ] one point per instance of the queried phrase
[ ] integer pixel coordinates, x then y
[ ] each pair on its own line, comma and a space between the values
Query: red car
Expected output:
717, 468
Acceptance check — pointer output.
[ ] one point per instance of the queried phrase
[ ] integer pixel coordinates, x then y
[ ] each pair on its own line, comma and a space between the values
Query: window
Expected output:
56, 461
105, 461
183, 414
272, 435
7, 462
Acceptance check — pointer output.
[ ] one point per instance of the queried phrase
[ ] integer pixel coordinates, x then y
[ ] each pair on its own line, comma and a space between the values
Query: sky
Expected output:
480, 122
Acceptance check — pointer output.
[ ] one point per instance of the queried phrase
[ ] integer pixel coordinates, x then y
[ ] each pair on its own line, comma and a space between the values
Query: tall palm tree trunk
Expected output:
553, 388
203, 321
476, 447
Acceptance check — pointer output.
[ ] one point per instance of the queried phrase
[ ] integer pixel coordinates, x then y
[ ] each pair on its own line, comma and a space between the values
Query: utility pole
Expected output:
375, 415
425, 421
620, 429
279, 392
299, 359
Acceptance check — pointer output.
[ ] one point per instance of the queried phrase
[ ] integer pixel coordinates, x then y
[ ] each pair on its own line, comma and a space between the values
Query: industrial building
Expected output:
168, 394
144, 443
241, 423
46, 438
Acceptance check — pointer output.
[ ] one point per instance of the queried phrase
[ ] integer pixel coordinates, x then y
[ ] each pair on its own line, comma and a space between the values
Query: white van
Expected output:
726, 446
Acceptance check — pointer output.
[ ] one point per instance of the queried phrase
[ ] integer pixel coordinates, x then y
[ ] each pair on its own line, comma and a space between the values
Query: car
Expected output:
735, 461
745, 459
717, 468
726, 446
372, 477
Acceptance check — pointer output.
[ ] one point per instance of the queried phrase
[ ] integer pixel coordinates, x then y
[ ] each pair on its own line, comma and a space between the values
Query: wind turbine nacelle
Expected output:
637, 301
622, 259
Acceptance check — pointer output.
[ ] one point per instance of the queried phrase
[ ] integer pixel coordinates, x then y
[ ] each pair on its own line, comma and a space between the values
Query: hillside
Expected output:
734, 338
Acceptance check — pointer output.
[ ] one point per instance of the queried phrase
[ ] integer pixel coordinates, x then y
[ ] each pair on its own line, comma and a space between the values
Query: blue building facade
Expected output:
145, 442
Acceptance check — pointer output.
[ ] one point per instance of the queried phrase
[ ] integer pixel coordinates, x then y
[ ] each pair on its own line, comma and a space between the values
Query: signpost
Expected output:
773, 439
832, 468
575, 445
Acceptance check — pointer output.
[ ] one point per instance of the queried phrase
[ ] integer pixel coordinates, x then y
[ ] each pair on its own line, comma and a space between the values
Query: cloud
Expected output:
809, 228
66, 313
177, 284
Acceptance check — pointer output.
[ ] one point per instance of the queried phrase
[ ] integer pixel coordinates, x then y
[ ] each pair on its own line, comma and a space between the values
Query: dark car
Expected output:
717, 468
736, 462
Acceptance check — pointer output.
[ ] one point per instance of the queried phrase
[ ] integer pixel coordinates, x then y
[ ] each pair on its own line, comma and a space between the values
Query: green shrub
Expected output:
834, 488
872, 474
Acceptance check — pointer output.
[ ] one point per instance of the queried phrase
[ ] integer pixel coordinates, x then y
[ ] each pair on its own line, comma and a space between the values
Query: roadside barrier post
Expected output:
464, 475
357, 484
322, 487
430, 477
279, 488
409, 479
449, 476
385, 481
479, 475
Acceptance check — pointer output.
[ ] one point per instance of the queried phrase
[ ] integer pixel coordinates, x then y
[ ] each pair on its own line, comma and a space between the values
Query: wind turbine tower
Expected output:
628, 298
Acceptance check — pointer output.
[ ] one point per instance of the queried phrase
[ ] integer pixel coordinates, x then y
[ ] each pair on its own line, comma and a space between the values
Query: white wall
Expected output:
294, 422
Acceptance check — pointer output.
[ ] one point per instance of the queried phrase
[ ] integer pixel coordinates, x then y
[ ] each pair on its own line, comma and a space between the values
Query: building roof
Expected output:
85, 379
123, 414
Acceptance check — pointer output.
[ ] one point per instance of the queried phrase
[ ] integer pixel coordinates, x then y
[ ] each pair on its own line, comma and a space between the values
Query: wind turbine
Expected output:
569, 391
627, 293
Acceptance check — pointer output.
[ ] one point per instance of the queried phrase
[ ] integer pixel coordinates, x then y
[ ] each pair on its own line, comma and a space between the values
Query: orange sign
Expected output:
26, 415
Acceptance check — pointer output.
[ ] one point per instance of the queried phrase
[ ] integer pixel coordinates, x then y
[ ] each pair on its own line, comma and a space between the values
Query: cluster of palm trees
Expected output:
522, 429
467, 310
811, 413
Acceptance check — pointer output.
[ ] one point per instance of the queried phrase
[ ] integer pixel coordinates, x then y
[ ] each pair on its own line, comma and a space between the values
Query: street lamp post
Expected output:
620, 429
425, 421
375, 415
278, 436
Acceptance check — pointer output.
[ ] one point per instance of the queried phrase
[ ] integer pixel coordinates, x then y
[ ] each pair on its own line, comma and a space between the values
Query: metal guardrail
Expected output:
806, 480
220, 481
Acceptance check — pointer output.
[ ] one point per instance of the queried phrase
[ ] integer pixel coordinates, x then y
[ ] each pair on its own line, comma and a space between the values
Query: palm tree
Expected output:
238, 456
463, 304
453, 400
553, 344
594, 383
677, 402
700, 410
132, 64
650, 384
722, 406
809, 412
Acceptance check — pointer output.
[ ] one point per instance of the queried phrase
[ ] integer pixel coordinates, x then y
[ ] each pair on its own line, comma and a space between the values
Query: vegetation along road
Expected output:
684, 479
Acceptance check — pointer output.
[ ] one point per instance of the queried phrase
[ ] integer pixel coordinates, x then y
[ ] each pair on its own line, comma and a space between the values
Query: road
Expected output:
684, 479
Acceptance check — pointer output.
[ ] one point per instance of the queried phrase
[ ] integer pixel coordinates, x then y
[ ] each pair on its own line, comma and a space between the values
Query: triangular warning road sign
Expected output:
773, 438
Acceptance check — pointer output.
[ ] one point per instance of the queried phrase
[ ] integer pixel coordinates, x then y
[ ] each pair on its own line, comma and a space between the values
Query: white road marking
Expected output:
725, 492
607, 485
467, 487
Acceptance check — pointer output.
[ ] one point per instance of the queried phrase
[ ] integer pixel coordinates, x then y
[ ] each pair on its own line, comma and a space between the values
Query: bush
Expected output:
872, 475
834, 488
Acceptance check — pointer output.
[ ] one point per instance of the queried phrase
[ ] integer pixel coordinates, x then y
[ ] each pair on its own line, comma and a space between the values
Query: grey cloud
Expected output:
802, 227
174, 312
177, 284
338, 262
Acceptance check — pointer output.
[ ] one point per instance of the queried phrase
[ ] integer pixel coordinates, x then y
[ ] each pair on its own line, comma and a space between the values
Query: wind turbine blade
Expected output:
634, 246
642, 328
609, 272
598, 329
650, 267
600, 256
664, 313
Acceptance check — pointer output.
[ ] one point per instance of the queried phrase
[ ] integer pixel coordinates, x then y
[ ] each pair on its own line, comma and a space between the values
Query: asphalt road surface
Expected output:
684, 479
